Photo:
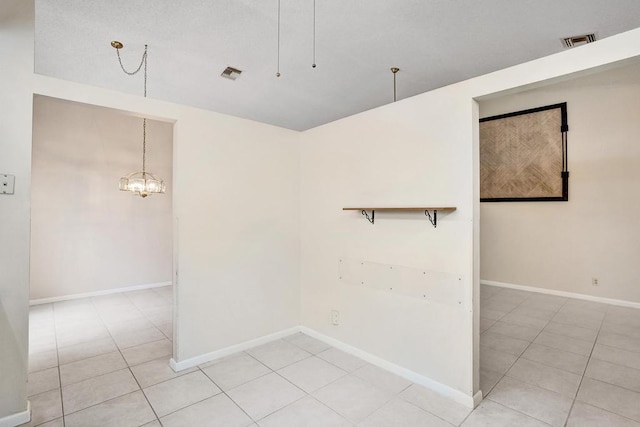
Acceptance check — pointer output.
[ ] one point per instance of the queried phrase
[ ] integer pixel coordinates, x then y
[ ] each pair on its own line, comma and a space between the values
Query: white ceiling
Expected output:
434, 42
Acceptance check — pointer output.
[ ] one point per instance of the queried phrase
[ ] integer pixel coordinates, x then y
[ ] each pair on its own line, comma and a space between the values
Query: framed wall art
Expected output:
523, 156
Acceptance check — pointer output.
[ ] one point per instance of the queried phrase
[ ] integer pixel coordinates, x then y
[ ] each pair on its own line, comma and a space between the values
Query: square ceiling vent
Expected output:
578, 40
231, 73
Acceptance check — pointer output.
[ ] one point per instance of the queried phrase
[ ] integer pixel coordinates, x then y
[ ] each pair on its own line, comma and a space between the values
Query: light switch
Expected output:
7, 183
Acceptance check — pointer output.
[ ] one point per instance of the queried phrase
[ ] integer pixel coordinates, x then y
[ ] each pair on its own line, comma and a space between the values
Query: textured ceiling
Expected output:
434, 42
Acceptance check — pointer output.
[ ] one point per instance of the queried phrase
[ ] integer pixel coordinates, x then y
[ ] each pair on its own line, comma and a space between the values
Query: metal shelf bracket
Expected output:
433, 220
369, 218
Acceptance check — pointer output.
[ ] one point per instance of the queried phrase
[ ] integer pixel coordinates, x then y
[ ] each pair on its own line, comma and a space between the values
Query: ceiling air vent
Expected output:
231, 73
578, 40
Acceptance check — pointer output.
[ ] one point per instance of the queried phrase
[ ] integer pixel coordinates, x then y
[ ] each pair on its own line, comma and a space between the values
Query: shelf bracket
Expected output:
369, 218
433, 220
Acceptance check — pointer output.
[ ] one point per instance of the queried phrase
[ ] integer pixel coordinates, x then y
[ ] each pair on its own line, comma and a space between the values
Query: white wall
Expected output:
86, 235
419, 151
236, 200
563, 245
236, 225
16, 49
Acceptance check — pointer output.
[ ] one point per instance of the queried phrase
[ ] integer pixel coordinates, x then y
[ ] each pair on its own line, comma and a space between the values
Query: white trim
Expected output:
97, 293
445, 390
20, 418
603, 300
456, 395
208, 357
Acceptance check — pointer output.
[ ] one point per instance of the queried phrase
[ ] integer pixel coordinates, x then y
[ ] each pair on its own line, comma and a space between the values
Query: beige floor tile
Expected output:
307, 343
265, 395
621, 329
81, 334
534, 313
436, 404
130, 410
118, 326
147, 352
492, 414
496, 361
400, 413
572, 331
610, 398
571, 362
306, 412
492, 314
42, 361
382, 379
45, 407
58, 422
579, 318
216, 411
618, 356
311, 373
564, 343
519, 319
134, 338
503, 343
583, 415
546, 377
342, 360
352, 398
614, 374
525, 333
278, 354
486, 323
619, 341
178, 393
86, 350
488, 379
96, 390
156, 371
544, 405
41, 381
234, 370
92, 367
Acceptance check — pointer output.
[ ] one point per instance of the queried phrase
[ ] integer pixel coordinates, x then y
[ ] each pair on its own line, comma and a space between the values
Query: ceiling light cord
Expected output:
313, 64
278, 67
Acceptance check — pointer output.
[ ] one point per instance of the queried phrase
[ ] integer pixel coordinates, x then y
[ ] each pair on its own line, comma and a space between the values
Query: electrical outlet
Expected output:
7, 183
335, 317
594, 281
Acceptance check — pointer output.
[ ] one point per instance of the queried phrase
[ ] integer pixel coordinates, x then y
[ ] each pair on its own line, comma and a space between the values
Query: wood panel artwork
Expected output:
523, 156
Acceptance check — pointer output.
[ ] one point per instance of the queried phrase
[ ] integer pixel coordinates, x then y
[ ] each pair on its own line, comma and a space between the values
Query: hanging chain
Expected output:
144, 120
144, 147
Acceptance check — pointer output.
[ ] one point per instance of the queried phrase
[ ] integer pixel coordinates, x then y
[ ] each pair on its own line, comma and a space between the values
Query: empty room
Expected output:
319, 213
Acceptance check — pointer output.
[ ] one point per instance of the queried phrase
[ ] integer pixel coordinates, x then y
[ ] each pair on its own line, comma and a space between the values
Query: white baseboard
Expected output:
208, 357
20, 418
456, 395
586, 297
97, 293
445, 390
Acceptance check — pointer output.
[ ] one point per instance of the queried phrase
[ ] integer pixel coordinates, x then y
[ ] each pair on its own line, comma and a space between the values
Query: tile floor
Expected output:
103, 361
559, 361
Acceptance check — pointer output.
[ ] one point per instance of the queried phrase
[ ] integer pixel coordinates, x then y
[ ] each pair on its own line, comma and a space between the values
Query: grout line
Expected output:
55, 335
575, 397
126, 362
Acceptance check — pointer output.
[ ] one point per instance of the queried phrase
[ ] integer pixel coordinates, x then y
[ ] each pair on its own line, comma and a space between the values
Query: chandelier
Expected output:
142, 183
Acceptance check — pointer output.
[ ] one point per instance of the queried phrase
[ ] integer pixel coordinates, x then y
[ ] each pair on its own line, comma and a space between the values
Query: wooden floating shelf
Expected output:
433, 220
